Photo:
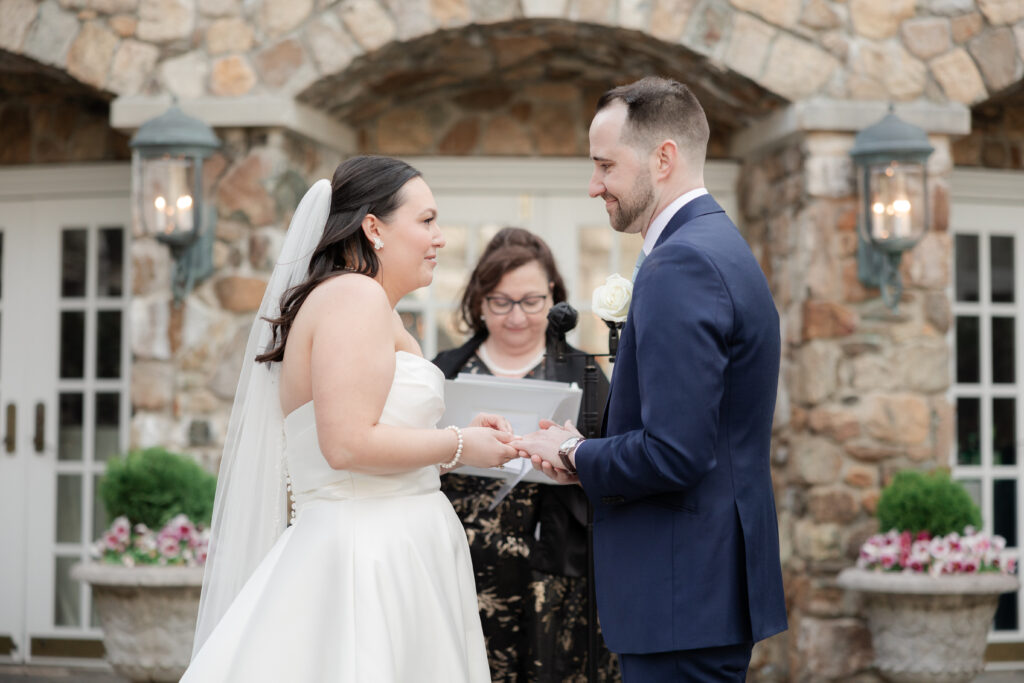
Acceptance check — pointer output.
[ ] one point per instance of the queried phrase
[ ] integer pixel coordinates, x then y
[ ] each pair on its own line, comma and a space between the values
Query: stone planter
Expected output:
925, 628
148, 616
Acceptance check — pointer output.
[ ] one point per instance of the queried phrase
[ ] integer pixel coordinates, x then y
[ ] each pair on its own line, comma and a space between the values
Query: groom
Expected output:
686, 549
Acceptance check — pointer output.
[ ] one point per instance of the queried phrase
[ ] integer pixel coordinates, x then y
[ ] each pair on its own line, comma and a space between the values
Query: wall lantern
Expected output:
892, 181
167, 168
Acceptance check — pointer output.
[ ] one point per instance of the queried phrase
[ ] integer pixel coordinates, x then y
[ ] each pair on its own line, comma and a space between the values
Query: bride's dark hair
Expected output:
361, 185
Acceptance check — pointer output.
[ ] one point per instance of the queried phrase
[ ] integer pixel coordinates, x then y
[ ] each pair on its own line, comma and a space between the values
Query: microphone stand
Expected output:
590, 427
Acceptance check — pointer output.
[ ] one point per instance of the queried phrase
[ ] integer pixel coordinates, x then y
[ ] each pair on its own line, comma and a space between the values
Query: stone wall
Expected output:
43, 130
997, 135
187, 357
955, 50
862, 392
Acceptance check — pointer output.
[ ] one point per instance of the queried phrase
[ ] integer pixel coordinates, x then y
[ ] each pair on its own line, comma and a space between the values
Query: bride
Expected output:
371, 580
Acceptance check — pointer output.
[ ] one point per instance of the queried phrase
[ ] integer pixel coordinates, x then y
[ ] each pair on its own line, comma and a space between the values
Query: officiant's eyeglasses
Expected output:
502, 305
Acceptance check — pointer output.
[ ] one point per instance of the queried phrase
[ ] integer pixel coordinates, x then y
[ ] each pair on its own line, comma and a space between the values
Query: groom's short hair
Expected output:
658, 109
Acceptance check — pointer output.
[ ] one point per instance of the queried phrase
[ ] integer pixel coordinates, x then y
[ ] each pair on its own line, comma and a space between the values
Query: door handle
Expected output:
40, 427
11, 437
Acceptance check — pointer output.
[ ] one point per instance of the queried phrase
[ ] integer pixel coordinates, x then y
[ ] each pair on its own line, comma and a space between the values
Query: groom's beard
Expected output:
632, 208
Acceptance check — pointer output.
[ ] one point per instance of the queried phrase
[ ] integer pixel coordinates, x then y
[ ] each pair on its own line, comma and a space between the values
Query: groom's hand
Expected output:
496, 422
542, 449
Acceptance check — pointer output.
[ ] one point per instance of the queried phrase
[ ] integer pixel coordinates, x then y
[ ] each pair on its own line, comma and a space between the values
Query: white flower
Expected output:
611, 300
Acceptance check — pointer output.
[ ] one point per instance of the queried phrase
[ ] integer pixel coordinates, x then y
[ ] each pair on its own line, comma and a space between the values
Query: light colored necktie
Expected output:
639, 260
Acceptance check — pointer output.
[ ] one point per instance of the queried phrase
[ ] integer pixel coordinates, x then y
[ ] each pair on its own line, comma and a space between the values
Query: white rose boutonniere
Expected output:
611, 300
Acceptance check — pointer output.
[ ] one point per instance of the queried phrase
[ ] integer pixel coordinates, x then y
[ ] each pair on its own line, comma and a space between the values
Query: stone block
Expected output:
91, 54
748, 45
902, 419
151, 267
240, 294
185, 76
833, 504
825, 319
868, 451
816, 460
816, 542
229, 364
488, 11
555, 133
413, 18
959, 77
150, 328
153, 387
966, 26
1001, 12
879, 18
232, 34
928, 264
819, 14
242, 191
404, 131
279, 62
368, 22
332, 47
837, 423
278, 17
995, 52
815, 372
784, 13
670, 17
220, 8
833, 648
133, 65
16, 16
162, 21
926, 37
450, 13
861, 476
232, 76
50, 37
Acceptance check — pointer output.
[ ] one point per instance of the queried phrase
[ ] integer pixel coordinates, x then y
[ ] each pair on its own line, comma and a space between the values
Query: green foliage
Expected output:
916, 501
150, 486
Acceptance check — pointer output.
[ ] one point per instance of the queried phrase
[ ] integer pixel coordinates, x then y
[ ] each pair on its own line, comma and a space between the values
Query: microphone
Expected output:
561, 319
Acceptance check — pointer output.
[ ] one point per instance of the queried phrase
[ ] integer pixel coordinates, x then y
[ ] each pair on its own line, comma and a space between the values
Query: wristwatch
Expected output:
567, 448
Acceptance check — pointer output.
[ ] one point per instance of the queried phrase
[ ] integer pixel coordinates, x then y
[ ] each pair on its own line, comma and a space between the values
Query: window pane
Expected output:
973, 488
67, 609
1004, 510
1006, 614
110, 273
966, 267
69, 427
99, 513
72, 344
108, 344
967, 365
968, 436
108, 421
1003, 350
73, 254
1004, 431
1002, 269
69, 508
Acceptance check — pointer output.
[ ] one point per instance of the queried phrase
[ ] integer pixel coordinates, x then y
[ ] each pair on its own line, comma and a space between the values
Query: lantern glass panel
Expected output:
166, 200
895, 197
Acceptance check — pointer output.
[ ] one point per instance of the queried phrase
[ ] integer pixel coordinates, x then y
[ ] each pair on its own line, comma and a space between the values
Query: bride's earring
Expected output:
377, 244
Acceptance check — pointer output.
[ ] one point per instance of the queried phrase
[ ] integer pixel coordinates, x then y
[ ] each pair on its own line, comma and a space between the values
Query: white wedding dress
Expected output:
372, 582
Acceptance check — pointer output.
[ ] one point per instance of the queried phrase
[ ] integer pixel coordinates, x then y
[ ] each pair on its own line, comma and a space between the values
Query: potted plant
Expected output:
931, 583
147, 568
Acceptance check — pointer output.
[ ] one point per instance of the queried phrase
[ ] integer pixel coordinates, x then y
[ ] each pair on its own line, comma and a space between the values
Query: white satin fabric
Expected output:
373, 582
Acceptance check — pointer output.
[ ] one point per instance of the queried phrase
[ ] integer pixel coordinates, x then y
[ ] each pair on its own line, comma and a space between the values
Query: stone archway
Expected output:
518, 88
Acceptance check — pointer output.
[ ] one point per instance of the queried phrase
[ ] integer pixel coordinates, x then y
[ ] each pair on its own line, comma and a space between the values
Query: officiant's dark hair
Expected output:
361, 185
509, 249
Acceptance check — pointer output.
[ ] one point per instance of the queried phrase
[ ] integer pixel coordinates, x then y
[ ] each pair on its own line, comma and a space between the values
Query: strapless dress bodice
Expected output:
416, 400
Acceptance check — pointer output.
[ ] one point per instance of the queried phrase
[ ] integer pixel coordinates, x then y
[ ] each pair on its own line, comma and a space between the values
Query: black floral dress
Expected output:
534, 621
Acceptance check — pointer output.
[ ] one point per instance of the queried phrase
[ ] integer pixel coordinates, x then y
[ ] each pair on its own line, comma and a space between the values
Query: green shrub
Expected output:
150, 486
916, 501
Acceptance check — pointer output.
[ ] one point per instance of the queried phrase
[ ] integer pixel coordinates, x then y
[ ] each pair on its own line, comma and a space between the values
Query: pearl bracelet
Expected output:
458, 449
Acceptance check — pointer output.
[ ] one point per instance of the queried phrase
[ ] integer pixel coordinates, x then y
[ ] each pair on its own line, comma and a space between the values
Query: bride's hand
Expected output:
492, 421
486, 447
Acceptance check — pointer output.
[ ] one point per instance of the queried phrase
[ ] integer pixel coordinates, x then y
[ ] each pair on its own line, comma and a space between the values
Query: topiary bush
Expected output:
915, 501
153, 485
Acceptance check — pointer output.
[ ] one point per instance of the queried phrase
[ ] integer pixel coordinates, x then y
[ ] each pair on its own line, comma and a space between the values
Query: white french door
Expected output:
64, 395
987, 222
477, 197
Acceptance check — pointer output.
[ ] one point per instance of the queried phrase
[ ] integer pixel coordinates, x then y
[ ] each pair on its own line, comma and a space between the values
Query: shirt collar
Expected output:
662, 219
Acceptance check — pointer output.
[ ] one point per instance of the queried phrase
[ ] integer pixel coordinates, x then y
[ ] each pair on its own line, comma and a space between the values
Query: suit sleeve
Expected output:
682, 317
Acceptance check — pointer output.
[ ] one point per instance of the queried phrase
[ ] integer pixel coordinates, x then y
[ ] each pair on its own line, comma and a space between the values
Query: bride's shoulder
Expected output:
349, 290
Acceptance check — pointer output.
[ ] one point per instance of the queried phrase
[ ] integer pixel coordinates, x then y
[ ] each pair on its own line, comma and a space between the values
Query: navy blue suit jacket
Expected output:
686, 545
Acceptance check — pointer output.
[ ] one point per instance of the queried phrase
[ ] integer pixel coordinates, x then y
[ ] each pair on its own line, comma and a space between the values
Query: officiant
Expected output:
529, 553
